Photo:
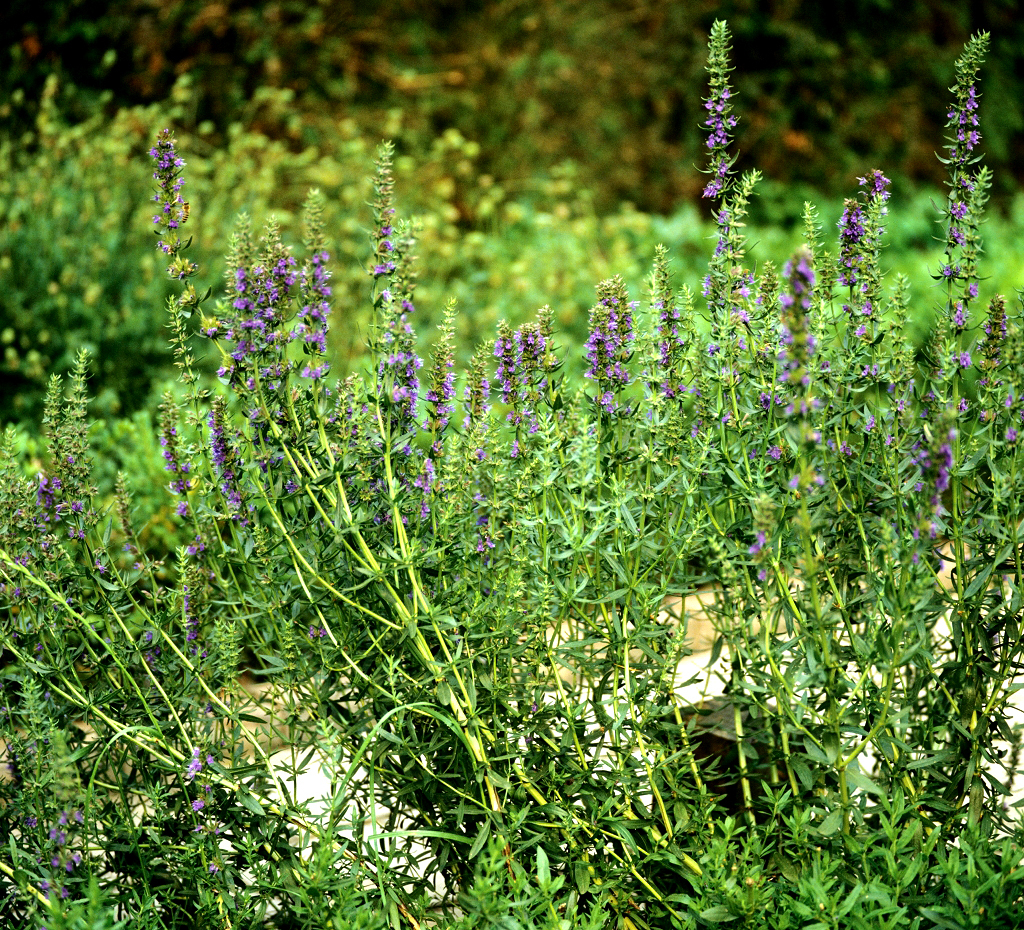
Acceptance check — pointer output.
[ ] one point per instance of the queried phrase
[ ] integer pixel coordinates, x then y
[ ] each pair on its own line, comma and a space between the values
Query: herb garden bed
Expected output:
460, 623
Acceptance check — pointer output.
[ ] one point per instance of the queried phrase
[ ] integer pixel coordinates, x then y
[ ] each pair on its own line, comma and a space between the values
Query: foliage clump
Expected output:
469, 624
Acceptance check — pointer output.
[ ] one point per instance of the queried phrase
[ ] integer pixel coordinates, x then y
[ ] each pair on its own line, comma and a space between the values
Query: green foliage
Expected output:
61, 295
467, 624
830, 88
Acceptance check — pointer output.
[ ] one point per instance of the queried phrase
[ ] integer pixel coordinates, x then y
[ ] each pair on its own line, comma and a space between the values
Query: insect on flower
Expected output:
184, 212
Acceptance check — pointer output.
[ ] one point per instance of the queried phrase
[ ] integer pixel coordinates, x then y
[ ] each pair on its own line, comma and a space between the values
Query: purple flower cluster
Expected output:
508, 351
312, 327
428, 483
57, 855
610, 344
533, 350
876, 186
173, 209
399, 367
172, 453
49, 508
935, 461
523, 360
859, 233
799, 276
797, 343
262, 294
851, 237
963, 120
225, 461
384, 248
196, 764
484, 540
720, 120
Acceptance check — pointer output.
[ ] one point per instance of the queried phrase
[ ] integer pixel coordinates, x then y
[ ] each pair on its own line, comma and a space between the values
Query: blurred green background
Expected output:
545, 145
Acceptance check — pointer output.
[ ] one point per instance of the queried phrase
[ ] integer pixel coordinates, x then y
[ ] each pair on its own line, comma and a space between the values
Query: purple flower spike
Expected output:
851, 238
609, 346
509, 353
720, 120
174, 210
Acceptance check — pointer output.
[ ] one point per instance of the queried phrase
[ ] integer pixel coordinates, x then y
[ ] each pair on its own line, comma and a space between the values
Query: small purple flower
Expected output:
876, 185
195, 766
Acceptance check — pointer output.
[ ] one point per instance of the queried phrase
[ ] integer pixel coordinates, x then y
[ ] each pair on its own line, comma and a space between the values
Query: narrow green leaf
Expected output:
481, 839
581, 873
940, 920
250, 803
859, 780
719, 914
543, 868
831, 823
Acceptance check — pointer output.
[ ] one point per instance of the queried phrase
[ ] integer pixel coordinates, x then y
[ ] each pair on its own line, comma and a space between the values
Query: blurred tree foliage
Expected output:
614, 86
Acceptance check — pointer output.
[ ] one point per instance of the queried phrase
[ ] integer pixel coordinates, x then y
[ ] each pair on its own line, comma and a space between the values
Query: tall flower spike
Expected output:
990, 384
314, 291
610, 345
384, 214
532, 346
720, 119
441, 392
176, 464
797, 341
966, 188
174, 210
730, 198
508, 352
671, 336
477, 396
225, 461
963, 119
172, 215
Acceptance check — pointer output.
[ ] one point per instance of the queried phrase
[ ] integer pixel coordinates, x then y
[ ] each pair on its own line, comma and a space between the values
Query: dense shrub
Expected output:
462, 613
